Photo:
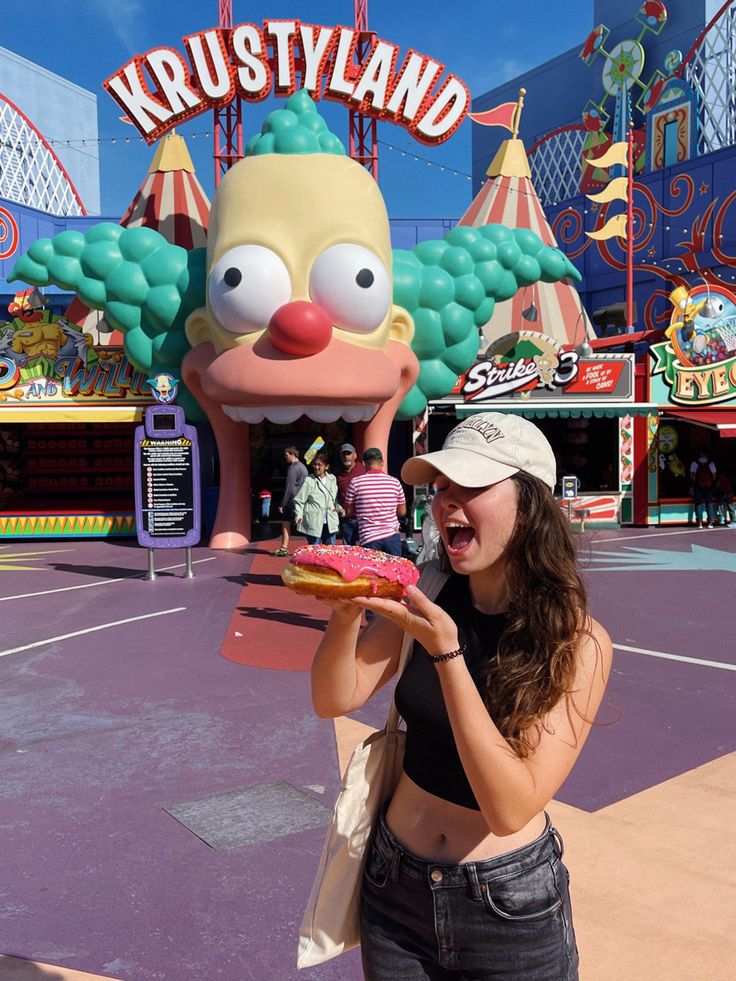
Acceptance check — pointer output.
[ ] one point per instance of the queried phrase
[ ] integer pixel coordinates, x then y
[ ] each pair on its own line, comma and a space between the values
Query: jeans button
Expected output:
436, 875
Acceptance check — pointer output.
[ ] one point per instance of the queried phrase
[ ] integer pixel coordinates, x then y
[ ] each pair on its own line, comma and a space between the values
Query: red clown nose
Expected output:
300, 328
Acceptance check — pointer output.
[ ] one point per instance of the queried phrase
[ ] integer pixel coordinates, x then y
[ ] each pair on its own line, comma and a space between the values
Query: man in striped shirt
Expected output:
377, 500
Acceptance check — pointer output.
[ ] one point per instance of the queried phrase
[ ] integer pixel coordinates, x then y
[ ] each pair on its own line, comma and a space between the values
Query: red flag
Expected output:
502, 115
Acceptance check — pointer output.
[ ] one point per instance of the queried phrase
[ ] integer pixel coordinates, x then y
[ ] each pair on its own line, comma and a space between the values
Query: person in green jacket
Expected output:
316, 510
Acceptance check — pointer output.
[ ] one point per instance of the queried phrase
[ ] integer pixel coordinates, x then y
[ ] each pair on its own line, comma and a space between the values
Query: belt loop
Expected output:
558, 841
396, 857
472, 873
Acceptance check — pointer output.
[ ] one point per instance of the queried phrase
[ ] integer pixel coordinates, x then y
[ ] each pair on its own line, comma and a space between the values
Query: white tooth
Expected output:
353, 413
370, 411
283, 414
232, 411
240, 413
324, 413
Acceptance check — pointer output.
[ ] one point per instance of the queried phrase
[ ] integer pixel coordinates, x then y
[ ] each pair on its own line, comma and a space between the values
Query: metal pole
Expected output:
630, 233
189, 574
151, 574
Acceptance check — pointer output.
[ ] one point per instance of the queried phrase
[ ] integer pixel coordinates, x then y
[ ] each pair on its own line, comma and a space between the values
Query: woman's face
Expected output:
475, 523
320, 468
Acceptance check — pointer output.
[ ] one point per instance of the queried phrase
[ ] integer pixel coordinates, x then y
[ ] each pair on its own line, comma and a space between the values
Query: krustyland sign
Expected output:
253, 62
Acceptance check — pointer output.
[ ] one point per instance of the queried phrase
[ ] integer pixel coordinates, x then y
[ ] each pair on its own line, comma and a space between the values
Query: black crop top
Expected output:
431, 759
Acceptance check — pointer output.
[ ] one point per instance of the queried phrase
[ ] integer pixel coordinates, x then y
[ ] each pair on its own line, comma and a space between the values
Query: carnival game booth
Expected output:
585, 406
692, 380
67, 416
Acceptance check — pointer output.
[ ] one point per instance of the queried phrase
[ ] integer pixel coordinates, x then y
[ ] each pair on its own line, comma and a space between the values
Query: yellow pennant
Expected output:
615, 190
614, 226
615, 154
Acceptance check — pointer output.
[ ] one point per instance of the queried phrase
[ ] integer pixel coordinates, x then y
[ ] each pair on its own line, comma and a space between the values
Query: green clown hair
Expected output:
297, 128
450, 287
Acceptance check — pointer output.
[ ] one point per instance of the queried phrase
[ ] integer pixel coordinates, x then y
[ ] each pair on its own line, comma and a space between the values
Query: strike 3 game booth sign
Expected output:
585, 406
167, 488
692, 379
67, 414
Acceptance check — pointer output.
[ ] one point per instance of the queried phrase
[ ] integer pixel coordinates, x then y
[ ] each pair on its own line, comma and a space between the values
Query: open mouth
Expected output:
284, 414
459, 537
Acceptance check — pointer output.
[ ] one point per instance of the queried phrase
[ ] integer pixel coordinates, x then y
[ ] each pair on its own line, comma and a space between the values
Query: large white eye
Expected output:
352, 285
246, 287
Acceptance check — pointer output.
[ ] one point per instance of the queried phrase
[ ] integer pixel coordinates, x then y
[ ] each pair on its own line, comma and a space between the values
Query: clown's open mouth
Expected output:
285, 414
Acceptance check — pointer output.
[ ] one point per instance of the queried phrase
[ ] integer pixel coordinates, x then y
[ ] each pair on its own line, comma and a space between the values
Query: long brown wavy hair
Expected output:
548, 614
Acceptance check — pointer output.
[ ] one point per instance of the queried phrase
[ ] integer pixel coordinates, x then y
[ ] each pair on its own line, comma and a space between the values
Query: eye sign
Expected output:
246, 286
352, 285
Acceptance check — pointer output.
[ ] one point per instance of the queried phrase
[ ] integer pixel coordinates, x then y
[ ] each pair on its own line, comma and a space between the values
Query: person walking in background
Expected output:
315, 505
296, 473
724, 500
351, 467
377, 501
702, 480
464, 875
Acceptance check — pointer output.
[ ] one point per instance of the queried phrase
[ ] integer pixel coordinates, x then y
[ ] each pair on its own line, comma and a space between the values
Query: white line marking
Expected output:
677, 657
91, 630
45, 551
102, 582
650, 535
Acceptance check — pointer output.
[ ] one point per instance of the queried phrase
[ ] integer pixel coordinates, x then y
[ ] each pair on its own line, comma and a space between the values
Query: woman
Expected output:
315, 506
464, 878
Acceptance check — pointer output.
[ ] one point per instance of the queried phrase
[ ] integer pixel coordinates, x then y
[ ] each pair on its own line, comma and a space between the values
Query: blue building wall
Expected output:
58, 108
558, 90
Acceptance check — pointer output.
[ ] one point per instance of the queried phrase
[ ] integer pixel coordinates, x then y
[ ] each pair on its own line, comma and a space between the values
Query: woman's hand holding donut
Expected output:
435, 630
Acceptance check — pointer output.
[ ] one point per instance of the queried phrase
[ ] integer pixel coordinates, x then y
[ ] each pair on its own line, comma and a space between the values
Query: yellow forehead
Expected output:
298, 205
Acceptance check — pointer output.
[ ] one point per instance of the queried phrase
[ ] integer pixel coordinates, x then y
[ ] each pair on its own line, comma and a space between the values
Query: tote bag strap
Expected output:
431, 581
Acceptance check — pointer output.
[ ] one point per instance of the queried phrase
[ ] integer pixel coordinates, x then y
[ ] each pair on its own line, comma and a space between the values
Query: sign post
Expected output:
168, 507
569, 493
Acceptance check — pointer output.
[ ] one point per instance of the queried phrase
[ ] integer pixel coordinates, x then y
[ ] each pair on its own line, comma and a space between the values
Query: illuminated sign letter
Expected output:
211, 67
315, 55
410, 89
254, 75
446, 111
283, 32
338, 85
127, 88
170, 71
376, 75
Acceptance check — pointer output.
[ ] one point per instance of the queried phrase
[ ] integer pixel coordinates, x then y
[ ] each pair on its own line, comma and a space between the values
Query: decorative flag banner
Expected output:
502, 115
615, 154
615, 190
614, 226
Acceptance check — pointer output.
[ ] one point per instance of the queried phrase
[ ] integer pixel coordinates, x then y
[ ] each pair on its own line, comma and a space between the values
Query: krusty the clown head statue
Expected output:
299, 306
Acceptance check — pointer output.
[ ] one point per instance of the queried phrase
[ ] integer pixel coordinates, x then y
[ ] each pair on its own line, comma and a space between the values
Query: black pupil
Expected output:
364, 278
232, 276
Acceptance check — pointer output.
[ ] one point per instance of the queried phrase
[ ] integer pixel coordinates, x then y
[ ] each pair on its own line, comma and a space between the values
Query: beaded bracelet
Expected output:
438, 658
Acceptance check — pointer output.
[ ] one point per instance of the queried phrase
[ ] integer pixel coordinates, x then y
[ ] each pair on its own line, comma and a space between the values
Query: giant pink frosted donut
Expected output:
345, 571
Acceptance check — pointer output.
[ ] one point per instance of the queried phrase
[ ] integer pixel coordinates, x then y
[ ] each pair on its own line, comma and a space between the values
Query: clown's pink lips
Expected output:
459, 536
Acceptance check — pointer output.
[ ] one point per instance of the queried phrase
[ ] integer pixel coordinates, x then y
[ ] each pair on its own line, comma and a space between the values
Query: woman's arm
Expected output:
349, 666
300, 500
510, 791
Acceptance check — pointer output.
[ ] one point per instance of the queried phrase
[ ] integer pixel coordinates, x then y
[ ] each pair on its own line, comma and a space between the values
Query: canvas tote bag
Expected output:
331, 921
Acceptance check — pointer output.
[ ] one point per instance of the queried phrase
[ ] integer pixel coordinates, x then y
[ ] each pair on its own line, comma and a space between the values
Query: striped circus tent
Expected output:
508, 197
172, 201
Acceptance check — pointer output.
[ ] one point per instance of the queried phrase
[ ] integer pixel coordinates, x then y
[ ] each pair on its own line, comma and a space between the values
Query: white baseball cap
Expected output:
484, 449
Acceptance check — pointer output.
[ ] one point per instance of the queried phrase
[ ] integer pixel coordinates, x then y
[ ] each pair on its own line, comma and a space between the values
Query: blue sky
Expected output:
485, 42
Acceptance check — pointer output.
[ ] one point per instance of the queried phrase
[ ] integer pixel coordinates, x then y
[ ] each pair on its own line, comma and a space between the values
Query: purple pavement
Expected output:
102, 731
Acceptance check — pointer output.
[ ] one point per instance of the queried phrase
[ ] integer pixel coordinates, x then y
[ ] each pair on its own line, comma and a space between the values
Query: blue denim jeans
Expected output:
391, 545
503, 919
349, 531
326, 538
